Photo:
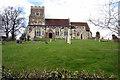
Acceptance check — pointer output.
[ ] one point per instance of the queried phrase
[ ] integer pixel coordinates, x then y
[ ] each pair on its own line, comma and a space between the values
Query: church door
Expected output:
81, 36
50, 35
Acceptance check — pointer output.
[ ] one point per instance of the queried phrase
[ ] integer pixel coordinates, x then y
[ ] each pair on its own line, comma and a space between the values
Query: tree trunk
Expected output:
13, 36
13, 33
7, 36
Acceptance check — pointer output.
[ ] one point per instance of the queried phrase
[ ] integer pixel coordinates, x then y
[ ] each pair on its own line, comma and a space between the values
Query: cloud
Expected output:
76, 10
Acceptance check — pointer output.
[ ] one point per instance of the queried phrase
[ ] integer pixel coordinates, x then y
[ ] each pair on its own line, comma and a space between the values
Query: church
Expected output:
41, 27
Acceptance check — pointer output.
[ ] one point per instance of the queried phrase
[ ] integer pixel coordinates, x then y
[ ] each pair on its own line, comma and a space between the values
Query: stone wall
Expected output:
57, 32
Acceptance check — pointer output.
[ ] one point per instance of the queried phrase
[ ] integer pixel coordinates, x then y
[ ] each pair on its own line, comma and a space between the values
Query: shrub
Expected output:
40, 39
54, 75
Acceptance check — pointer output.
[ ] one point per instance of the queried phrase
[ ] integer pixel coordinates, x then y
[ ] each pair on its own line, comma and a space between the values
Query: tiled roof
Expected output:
81, 24
57, 22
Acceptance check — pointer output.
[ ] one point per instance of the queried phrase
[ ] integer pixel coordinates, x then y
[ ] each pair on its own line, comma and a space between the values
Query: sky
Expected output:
75, 10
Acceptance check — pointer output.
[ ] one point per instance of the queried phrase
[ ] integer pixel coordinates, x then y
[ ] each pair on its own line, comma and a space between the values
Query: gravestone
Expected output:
68, 40
97, 36
69, 37
50, 40
115, 38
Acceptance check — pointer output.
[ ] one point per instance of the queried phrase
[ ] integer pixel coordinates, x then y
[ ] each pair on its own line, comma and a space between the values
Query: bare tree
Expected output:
6, 22
109, 17
11, 21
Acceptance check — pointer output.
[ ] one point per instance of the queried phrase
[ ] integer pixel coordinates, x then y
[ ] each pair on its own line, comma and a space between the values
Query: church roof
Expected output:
81, 24
57, 22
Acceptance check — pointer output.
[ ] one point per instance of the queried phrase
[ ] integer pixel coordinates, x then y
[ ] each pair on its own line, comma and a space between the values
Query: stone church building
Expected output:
41, 27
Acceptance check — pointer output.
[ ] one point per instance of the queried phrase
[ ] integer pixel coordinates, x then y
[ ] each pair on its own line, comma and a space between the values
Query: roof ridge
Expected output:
78, 22
56, 18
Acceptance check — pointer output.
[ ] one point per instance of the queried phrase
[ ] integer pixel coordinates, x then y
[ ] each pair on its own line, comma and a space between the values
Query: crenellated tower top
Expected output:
37, 7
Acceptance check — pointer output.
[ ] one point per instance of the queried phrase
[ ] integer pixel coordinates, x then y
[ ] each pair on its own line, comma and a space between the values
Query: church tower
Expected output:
37, 16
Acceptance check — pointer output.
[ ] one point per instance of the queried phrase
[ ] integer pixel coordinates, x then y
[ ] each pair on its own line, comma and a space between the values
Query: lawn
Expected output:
80, 55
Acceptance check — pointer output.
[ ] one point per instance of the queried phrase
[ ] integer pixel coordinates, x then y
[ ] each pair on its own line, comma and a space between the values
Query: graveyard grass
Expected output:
88, 55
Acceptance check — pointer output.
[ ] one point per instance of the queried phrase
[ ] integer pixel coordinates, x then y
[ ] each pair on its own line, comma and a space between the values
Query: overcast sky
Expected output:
76, 10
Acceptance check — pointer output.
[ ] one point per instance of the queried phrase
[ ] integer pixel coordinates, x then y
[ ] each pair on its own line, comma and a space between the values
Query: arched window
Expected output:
42, 32
57, 32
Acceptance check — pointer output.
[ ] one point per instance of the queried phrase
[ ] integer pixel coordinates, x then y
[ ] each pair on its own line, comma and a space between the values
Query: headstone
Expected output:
50, 40
115, 38
97, 36
68, 37
68, 40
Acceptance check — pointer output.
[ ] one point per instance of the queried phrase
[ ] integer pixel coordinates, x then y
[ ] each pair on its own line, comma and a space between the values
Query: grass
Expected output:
80, 55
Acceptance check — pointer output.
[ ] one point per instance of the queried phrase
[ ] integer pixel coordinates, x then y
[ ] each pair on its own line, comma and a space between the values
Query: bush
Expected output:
26, 42
54, 75
39, 39
103, 40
